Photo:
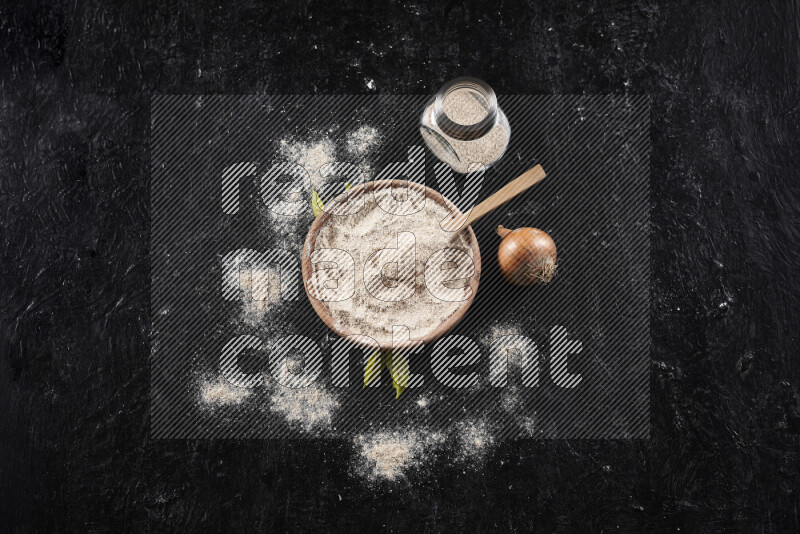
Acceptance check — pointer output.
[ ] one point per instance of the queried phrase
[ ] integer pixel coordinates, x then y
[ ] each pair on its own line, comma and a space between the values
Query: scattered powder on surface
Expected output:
289, 230
423, 402
362, 141
312, 156
475, 439
390, 455
261, 295
311, 407
515, 347
215, 392
472, 154
530, 426
372, 229
511, 402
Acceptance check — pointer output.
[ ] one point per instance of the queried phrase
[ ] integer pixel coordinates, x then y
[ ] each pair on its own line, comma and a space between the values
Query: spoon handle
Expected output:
525, 181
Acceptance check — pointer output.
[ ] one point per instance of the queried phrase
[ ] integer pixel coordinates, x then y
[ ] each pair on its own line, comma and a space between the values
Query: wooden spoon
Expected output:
524, 181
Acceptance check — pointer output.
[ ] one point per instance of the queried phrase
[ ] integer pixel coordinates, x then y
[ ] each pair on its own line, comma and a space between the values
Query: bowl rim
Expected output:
357, 338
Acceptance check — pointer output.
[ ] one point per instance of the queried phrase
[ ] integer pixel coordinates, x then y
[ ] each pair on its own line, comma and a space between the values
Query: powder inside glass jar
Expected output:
464, 156
466, 107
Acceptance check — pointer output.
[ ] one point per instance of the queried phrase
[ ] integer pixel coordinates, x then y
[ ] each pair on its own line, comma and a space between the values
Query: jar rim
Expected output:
465, 132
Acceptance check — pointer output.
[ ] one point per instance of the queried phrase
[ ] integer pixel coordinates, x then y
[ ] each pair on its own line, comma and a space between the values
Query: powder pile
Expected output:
373, 229
311, 407
362, 141
464, 108
218, 392
261, 292
390, 455
312, 156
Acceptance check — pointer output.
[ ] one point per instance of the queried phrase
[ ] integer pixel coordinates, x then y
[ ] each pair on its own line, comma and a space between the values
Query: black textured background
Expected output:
75, 85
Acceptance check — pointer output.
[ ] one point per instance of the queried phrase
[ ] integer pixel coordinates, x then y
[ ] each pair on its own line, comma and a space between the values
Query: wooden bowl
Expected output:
430, 194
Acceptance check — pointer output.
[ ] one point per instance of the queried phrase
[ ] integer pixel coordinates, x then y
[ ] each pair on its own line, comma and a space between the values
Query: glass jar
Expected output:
464, 127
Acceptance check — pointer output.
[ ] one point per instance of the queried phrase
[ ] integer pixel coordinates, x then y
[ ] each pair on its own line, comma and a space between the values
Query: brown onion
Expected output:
526, 256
